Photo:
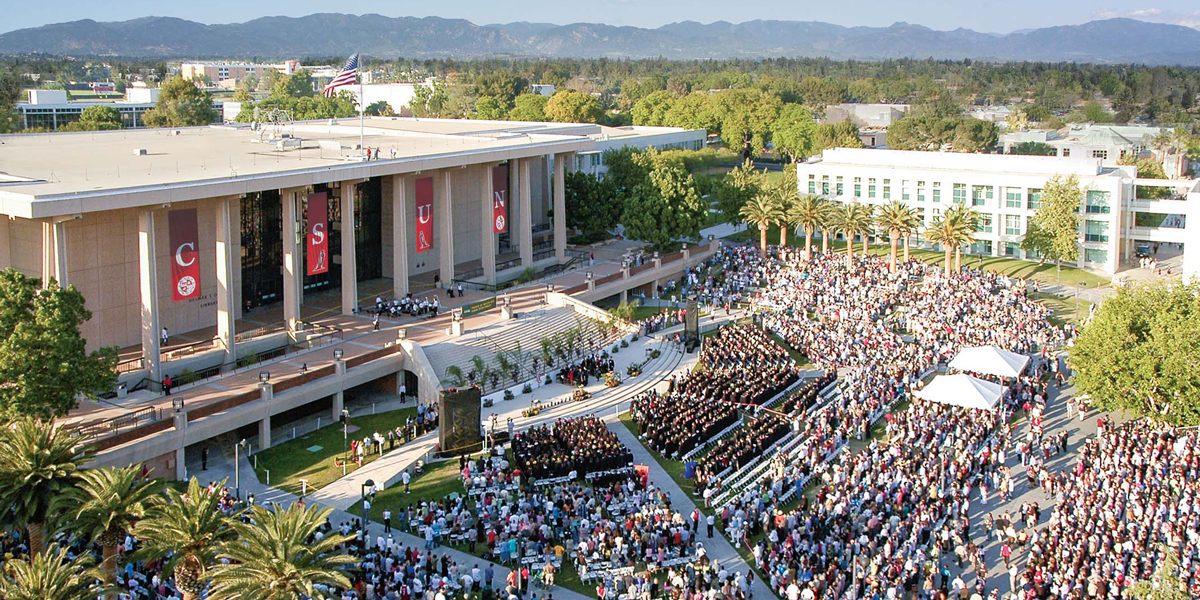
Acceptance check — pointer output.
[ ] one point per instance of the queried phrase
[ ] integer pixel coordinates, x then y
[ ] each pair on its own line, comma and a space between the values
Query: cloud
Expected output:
1156, 15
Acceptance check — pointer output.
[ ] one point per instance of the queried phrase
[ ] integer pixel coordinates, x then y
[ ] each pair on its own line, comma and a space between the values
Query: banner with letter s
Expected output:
424, 205
500, 198
318, 233
185, 256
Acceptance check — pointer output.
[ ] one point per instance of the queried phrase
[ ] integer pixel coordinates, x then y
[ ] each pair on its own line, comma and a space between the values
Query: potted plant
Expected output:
508, 395
526, 389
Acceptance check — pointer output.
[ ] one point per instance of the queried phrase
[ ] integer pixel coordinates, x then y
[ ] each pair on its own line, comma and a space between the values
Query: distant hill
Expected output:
1105, 41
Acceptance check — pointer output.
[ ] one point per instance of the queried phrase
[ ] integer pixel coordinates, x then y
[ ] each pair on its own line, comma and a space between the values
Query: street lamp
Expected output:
337, 354
237, 463
1078, 284
366, 485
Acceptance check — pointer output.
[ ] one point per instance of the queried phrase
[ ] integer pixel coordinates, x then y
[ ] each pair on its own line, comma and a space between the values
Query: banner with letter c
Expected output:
185, 256
424, 205
318, 234
500, 198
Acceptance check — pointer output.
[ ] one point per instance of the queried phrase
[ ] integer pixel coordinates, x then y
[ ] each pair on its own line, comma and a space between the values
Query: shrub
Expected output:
526, 389
487, 403
655, 354
624, 344
186, 377
508, 395
249, 359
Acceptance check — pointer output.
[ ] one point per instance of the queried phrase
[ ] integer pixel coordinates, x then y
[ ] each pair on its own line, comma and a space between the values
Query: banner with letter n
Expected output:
478, 307
318, 233
424, 239
500, 198
185, 257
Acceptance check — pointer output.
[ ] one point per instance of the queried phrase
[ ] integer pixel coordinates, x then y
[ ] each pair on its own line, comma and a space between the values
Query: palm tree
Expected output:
105, 506
760, 211
186, 529
896, 218
51, 575
910, 225
275, 557
866, 224
828, 215
952, 230
851, 219
808, 213
968, 223
479, 369
782, 196
39, 462
454, 376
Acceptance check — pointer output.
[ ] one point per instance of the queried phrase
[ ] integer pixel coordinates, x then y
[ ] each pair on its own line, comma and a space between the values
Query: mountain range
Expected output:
333, 34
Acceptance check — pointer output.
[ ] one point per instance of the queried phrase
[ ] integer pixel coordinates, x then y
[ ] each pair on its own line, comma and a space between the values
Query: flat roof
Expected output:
44, 175
955, 161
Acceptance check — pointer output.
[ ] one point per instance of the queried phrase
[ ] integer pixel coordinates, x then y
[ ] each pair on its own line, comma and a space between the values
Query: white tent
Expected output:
990, 360
963, 390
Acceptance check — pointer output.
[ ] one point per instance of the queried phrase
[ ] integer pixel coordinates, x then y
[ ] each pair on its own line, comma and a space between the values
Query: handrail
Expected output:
132, 364
114, 425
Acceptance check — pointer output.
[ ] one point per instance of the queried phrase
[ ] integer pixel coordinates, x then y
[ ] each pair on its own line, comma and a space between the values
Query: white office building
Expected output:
1006, 191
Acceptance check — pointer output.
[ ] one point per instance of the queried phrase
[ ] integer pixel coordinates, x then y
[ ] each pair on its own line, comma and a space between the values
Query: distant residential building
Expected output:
993, 114
544, 89
865, 115
51, 110
218, 72
660, 138
399, 96
1006, 191
1107, 142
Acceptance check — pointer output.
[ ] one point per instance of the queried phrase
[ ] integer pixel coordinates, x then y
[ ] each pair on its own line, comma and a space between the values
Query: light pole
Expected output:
366, 521
345, 432
237, 464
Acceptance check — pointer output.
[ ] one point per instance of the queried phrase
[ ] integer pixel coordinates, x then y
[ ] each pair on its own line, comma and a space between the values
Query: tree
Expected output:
275, 557
39, 462
1148, 168
953, 229
1034, 148
736, 188
808, 213
51, 575
850, 219
783, 194
1091, 112
502, 86
836, 135
1140, 350
1054, 229
653, 108
180, 104
96, 118
185, 530
569, 106
44, 363
379, 109
104, 507
895, 218
1165, 584
489, 108
665, 208
297, 85
793, 132
430, 100
529, 107
760, 211
593, 205
974, 135
11, 90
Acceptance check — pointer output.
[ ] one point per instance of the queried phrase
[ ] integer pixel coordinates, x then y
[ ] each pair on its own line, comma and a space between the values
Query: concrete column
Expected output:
226, 296
293, 277
487, 228
148, 276
443, 215
339, 399
180, 423
399, 237
560, 206
524, 213
47, 253
60, 253
264, 433
349, 262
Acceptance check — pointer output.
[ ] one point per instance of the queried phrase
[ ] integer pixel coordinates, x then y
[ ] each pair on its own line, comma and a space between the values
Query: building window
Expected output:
1009, 248
1066, 151
825, 185
981, 195
1095, 231
1101, 154
858, 187
840, 191
1097, 202
1012, 197
1034, 199
1095, 255
937, 192
985, 223
871, 187
812, 183
981, 247
887, 189
960, 193
1012, 225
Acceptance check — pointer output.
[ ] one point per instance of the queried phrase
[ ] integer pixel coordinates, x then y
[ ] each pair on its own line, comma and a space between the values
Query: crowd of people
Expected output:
591, 366
409, 305
578, 445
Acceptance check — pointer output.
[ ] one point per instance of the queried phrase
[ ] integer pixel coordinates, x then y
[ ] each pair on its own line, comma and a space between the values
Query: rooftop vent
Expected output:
139, 151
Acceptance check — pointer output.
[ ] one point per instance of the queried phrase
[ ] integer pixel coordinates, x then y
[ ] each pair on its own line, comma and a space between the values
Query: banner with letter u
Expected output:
500, 198
424, 205
185, 256
318, 233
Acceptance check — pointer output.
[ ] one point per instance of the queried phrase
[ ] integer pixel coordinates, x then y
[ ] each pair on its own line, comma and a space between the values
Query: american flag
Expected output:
346, 76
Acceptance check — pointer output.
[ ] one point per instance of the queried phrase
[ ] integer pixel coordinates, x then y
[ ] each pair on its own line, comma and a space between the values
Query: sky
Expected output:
996, 16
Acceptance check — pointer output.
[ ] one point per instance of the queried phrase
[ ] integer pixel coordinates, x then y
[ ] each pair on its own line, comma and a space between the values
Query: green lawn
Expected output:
1066, 310
291, 461
645, 312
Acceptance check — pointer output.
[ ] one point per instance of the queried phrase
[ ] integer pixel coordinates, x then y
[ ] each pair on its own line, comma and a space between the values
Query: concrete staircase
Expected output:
528, 331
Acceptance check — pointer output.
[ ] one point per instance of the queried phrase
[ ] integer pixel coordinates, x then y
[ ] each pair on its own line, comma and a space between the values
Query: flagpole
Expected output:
362, 100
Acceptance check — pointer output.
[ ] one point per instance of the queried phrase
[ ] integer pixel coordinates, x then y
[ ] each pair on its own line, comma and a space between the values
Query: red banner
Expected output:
500, 198
185, 257
424, 214
318, 233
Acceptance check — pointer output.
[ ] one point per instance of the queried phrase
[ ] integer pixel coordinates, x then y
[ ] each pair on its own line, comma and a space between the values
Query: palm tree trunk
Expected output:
783, 231
866, 240
849, 248
958, 258
824, 240
762, 239
906, 243
37, 537
892, 260
108, 565
808, 243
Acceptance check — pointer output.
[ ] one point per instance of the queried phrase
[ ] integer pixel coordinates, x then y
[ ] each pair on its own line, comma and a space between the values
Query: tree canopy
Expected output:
570, 106
529, 107
593, 205
96, 118
1140, 352
180, 104
794, 131
1034, 148
1054, 229
44, 364
664, 207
